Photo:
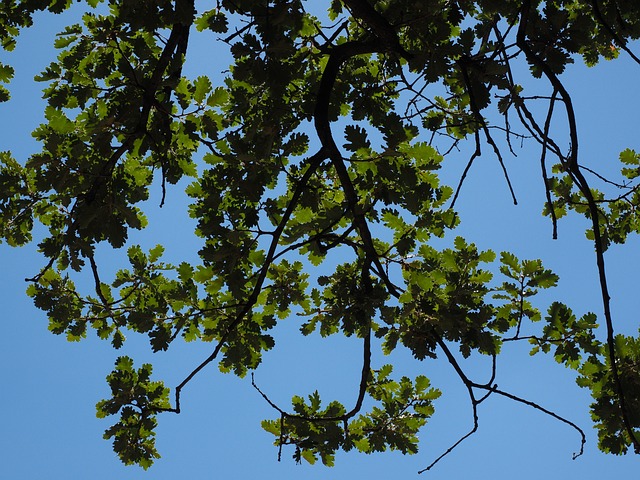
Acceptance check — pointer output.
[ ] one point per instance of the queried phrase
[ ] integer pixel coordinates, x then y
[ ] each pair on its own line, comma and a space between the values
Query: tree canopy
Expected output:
313, 166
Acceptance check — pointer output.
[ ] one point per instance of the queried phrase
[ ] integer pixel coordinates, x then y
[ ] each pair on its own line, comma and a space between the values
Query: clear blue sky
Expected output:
50, 387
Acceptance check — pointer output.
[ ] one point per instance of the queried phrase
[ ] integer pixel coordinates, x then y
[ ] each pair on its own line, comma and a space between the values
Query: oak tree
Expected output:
312, 163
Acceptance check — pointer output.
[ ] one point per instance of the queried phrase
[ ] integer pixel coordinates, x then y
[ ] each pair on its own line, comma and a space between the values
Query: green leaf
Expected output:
6, 73
202, 86
155, 253
58, 121
64, 40
185, 271
309, 456
629, 157
356, 138
218, 97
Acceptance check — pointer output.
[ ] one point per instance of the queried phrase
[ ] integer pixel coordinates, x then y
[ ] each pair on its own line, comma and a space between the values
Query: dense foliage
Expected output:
317, 150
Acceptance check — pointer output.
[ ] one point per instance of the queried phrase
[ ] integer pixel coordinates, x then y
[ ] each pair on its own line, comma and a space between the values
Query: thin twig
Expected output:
543, 167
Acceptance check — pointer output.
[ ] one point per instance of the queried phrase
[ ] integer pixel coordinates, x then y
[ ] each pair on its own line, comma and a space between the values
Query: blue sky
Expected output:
50, 386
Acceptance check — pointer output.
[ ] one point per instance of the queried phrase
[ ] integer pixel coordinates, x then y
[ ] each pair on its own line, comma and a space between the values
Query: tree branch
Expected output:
583, 185
543, 167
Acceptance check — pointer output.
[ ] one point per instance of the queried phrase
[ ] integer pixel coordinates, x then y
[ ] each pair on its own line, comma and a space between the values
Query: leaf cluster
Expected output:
312, 162
137, 400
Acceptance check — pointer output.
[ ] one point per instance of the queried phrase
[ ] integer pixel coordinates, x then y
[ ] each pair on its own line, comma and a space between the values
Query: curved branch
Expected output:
314, 162
583, 438
365, 373
474, 403
337, 57
583, 185
490, 388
